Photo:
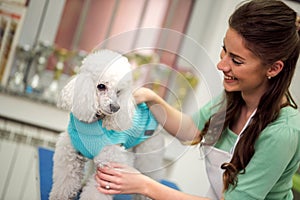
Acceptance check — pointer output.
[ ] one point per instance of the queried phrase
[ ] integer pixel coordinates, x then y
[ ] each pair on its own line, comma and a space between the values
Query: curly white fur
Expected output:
82, 97
85, 97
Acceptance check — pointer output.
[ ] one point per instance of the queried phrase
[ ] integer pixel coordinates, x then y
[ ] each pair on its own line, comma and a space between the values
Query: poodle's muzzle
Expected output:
108, 101
114, 108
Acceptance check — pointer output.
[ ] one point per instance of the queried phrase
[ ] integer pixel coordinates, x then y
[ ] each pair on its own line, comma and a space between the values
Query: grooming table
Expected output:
45, 169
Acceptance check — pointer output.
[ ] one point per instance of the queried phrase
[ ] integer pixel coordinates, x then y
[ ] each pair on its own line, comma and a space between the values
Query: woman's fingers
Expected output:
106, 184
116, 178
142, 95
116, 165
107, 173
110, 190
115, 169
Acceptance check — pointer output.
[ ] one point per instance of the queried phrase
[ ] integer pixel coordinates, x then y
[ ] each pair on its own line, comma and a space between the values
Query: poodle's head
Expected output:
102, 90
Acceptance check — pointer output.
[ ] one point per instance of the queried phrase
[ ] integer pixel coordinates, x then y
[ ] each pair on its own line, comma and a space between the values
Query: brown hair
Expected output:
269, 30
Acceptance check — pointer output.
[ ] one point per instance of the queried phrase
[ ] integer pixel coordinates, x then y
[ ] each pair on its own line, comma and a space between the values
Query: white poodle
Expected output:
104, 121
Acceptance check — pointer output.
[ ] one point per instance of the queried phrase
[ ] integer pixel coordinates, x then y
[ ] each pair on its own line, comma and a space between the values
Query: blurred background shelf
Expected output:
35, 113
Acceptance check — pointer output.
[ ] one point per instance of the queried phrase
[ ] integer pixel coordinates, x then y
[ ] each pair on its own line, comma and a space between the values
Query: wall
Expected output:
41, 21
296, 81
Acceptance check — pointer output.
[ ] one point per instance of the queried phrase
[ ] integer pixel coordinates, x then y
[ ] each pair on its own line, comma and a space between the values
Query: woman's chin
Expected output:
231, 89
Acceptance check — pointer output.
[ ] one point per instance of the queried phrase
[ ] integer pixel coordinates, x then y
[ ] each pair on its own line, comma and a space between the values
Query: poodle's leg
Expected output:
149, 157
90, 192
67, 170
113, 153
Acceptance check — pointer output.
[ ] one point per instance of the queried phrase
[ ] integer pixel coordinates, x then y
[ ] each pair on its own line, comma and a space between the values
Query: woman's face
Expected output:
242, 70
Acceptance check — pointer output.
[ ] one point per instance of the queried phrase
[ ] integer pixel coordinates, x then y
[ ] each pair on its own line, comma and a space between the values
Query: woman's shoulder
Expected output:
285, 128
203, 114
288, 118
213, 105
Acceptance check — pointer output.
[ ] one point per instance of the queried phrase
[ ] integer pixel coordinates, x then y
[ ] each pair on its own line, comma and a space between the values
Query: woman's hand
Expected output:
117, 178
173, 121
144, 95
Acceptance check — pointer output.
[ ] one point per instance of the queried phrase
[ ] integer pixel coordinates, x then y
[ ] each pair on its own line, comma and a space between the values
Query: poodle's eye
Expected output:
118, 92
101, 87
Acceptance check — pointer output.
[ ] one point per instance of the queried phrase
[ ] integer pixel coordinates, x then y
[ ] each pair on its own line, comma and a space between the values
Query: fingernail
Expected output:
100, 165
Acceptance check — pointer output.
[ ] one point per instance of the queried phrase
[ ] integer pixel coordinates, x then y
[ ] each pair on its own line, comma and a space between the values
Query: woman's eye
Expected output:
101, 87
236, 61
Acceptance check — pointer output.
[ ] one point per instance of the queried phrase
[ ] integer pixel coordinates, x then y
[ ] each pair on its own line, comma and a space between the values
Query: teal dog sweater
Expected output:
90, 138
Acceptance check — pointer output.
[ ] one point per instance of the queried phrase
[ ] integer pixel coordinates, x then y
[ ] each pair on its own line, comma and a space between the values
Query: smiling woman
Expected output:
243, 70
244, 133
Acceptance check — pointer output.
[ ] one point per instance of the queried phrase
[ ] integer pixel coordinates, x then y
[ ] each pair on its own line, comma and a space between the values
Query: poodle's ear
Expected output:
84, 102
66, 95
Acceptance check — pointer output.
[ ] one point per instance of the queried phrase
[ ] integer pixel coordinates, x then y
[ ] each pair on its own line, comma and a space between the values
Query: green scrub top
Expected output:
269, 173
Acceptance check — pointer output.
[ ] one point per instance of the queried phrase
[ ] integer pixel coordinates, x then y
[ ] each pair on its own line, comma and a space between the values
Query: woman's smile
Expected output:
229, 78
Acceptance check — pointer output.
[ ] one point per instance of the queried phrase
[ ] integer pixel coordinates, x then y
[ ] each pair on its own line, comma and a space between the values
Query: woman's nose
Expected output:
223, 64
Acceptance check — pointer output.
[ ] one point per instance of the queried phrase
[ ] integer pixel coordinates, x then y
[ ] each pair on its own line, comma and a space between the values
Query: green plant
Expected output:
296, 182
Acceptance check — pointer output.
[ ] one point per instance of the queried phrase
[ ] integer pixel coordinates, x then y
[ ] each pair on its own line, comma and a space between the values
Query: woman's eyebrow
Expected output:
233, 55
236, 56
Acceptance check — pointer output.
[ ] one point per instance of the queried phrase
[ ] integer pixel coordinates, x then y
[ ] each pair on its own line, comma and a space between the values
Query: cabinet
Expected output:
24, 126
11, 22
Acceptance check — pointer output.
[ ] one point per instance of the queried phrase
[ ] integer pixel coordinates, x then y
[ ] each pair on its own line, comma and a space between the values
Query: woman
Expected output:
252, 132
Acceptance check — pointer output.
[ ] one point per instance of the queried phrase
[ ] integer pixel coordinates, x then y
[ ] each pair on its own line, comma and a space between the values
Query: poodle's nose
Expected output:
114, 107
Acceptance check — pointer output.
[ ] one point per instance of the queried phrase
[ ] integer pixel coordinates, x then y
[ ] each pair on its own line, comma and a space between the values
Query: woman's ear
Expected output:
275, 69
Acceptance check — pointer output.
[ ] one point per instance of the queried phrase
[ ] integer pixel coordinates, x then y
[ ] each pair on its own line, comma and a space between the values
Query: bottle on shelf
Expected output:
34, 82
51, 92
16, 83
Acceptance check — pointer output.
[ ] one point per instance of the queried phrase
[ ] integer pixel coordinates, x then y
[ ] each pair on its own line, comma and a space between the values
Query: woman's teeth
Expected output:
229, 78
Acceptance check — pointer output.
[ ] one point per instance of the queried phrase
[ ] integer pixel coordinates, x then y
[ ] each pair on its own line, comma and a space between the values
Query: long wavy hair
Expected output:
269, 30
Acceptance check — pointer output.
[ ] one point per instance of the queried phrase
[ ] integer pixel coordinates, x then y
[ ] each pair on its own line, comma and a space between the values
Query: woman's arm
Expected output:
125, 180
174, 122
